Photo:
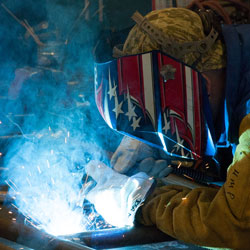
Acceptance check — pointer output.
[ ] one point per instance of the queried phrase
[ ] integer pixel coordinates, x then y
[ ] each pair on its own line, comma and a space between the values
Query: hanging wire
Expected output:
220, 8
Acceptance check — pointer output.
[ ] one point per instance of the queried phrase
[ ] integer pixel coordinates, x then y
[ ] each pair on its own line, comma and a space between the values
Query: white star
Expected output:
112, 90
177, 146
131, 113
131, 109
135, 123
189, 155
166, 124
118, 107
179, 143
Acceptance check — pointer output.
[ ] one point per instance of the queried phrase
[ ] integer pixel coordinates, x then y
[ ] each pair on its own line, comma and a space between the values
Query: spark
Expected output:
14, 219
142, 204
24, 201
31, 223
12, 183
1, 154
68, 134
39, 170
28, 180
14, 206
65, 140
53, 181
188, 177
10, 212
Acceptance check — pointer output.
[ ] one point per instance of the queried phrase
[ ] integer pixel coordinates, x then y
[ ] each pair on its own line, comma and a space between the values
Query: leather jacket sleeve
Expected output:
207, 216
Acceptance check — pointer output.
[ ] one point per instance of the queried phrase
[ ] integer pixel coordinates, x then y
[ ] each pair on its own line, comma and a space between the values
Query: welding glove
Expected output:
128, 153
155, 168
116, 197
139, 157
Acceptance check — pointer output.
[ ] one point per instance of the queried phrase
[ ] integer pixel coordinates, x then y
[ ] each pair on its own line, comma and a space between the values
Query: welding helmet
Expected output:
158, 100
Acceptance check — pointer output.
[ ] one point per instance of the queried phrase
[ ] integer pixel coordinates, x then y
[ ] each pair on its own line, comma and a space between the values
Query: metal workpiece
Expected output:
120, 237
13, 228
10, 245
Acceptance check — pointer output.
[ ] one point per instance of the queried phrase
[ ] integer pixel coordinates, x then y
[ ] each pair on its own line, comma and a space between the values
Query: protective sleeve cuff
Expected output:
138, 216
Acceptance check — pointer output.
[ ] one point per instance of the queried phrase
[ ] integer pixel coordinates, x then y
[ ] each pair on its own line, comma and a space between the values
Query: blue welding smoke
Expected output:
45, 164
50, 127
57, 137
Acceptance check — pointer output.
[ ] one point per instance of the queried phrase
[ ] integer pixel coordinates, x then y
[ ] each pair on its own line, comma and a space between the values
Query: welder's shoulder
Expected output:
244, 130
243, 148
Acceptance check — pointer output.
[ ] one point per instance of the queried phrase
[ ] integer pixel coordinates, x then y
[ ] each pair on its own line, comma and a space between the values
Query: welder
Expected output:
205, 40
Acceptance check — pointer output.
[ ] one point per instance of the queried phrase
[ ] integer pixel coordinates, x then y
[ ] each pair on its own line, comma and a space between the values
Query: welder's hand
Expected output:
116, 197
129, 152
155, 168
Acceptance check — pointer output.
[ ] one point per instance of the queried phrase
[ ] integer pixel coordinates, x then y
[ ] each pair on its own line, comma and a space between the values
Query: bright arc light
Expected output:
117, 216
63, 220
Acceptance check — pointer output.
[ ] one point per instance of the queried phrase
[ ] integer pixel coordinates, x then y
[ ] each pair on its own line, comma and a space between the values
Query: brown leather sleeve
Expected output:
207, 216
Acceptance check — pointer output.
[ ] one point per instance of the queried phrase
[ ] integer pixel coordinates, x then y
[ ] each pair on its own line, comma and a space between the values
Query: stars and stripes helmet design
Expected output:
156, 99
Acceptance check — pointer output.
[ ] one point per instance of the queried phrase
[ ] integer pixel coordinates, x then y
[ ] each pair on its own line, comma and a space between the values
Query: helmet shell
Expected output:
158, 100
